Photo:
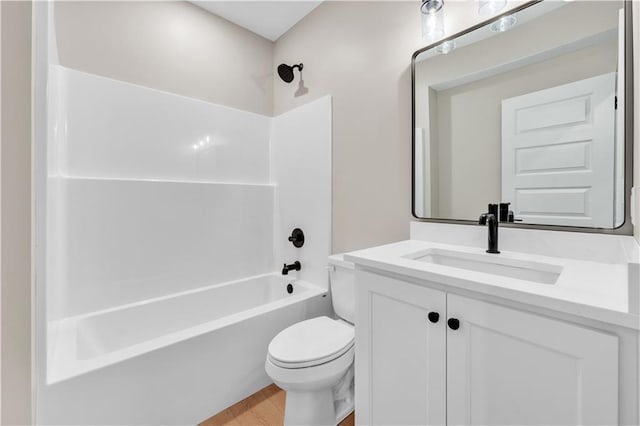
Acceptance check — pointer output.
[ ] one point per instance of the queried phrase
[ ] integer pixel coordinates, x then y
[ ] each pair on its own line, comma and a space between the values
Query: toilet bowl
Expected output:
313, 360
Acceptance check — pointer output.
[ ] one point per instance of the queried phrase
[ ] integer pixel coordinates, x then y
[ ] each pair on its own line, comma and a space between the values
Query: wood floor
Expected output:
263, 408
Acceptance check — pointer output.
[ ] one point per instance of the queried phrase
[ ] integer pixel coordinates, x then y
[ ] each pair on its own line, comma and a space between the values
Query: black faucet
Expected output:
295, 266
491, 218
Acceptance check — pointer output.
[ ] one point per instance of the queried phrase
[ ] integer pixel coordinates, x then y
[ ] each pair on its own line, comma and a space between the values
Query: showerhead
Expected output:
286, 71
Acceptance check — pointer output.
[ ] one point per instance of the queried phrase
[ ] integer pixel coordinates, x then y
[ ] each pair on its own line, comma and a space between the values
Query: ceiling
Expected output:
269, 19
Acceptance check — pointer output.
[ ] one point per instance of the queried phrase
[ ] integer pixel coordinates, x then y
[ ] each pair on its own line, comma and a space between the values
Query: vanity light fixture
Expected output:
432, 20
446, 47
490, 7
503, 24
430, 7
432, 26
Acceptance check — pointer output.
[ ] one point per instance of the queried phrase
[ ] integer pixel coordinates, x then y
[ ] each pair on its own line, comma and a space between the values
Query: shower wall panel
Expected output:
150, 193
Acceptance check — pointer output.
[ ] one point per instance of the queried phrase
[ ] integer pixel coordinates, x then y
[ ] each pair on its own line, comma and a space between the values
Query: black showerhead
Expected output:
286, 72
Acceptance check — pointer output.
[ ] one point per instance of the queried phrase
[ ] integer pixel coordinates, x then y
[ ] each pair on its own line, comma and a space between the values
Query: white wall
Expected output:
15, 201
173, 46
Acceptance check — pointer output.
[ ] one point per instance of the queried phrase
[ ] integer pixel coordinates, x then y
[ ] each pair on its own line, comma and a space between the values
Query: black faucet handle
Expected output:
297, 237
482, 220
504, 212
493, 209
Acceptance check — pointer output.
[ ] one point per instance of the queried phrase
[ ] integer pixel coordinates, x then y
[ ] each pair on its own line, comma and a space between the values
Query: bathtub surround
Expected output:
303, 188
168, 218
141, 168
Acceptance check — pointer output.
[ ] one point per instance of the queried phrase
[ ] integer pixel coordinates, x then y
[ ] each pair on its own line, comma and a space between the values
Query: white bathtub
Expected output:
216, 337
87, 342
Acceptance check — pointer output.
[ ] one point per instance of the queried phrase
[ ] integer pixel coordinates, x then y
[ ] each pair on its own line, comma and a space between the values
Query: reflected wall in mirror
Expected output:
533, 116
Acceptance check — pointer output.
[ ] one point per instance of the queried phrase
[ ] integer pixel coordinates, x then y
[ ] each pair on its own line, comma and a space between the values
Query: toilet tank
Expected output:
343, 289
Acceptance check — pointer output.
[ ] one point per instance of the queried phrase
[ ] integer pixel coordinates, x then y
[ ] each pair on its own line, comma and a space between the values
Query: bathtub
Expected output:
196, 342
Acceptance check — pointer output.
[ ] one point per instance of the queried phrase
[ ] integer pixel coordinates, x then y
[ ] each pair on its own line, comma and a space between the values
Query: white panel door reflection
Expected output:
558, 150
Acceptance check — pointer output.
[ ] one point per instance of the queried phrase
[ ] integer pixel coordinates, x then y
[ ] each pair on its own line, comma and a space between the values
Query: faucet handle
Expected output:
482, 220
297, 237
504, 212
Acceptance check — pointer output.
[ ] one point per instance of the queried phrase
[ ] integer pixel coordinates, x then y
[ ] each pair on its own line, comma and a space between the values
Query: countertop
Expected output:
594, 290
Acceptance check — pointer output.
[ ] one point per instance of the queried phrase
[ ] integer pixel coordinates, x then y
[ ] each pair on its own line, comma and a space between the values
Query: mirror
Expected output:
527, 109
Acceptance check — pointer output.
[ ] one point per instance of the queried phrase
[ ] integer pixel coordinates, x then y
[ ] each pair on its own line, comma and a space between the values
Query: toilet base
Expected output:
320, 407
309, 408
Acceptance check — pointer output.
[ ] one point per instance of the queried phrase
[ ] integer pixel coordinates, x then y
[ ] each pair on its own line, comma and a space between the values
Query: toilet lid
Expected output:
311, 342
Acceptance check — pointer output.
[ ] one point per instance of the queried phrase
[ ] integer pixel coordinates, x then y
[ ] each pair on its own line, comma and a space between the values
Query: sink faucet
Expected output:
295, 266
491, 219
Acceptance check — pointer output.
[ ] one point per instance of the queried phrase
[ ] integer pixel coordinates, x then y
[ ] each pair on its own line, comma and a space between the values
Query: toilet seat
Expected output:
310, 343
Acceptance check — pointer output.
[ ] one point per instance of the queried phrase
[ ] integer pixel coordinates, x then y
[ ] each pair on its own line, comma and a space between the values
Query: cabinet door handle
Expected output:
434, 317
453, 323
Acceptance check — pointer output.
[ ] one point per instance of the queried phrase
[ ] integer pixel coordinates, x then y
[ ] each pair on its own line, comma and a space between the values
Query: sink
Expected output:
495, 264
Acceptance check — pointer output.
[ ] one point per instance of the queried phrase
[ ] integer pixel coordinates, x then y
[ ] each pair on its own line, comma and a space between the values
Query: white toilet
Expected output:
313, 359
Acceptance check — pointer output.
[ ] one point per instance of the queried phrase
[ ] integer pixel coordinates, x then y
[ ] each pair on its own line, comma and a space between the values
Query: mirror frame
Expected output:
626, 228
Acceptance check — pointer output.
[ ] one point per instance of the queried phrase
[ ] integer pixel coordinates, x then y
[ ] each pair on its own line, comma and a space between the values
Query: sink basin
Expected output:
543, 273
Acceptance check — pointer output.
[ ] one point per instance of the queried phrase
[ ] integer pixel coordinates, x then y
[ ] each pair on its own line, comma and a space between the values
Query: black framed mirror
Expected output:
533, 108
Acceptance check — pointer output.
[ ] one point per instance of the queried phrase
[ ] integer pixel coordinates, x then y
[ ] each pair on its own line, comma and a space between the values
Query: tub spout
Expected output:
295, 266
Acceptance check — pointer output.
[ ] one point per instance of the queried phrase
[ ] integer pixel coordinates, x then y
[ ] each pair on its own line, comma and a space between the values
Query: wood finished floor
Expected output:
263, 408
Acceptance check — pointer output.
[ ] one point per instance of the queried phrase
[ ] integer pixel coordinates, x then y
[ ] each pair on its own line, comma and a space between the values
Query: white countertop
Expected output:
590, 289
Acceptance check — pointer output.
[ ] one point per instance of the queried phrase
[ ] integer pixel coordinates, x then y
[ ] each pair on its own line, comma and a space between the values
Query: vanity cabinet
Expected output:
494, 366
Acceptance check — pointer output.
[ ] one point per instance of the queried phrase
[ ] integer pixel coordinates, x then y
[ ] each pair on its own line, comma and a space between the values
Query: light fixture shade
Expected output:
503, 24
431, 6
432, 26
446, 47
490, 7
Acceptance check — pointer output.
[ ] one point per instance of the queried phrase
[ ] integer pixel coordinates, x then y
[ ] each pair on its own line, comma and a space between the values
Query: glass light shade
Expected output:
431, 6
490, 7
503, 24
432, 26
446, 47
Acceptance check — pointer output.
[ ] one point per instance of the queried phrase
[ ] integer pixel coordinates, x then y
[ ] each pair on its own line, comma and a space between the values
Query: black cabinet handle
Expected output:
453, 323
434, 317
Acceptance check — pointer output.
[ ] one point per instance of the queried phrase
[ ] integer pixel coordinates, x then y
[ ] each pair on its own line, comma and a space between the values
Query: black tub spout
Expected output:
295, 266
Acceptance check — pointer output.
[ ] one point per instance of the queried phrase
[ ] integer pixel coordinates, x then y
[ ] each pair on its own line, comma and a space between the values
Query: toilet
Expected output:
313, 360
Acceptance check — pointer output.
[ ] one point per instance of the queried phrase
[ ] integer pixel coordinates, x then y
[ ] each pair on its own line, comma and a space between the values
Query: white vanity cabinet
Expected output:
499, 366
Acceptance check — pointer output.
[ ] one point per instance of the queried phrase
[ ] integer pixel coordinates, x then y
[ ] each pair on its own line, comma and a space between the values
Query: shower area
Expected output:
162, 227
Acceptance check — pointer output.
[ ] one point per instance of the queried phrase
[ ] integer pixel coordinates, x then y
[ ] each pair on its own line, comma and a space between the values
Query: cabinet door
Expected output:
400, 353
507, 367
